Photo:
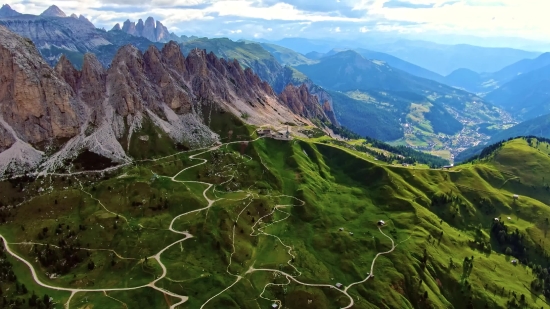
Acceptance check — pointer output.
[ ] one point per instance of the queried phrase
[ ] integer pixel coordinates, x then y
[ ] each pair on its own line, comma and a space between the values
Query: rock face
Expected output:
303, 103
264, 65
7, 11
54, 35
154, 32
52, 31
36, 102
53, 11
99, 110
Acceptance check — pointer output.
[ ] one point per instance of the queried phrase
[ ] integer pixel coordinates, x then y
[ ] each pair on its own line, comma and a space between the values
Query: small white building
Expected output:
341, 229
496, 219
351, 233
339, 285
274, 306
381, 223
509, 218
516, 197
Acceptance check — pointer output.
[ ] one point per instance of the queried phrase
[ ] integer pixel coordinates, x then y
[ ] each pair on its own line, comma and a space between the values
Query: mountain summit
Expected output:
154, 32
105, 111
7, 11
53, 11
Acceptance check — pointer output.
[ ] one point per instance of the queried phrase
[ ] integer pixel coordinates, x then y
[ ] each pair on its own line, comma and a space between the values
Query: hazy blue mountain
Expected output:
7, 11
401, 65
314, 55
465, 79
444, 59
486, 82
521, 67
305, 46
286, 56
348, 71
527, 95
423, 108
388, 59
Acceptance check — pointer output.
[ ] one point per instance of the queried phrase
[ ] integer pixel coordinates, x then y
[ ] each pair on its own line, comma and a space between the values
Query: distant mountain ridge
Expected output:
53, 11
438, 58
487, 82
154, 32
72, 36
390, 60
527, 95
7, 11
423, 108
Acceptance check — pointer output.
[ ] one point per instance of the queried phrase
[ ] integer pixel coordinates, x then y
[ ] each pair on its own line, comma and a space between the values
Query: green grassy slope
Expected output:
280, 207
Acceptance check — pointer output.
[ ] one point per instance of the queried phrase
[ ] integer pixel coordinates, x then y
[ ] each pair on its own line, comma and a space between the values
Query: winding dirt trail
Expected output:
257, 230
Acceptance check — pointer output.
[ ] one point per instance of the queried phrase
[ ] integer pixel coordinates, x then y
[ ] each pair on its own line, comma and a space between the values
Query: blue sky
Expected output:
344, 19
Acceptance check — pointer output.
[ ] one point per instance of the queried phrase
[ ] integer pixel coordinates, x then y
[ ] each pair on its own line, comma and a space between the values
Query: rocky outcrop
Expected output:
7, 11
129, 27
36, 103
98, 109
303, 103
67, 72
53, 11
51, 33
116, 27
154, 32
264, 65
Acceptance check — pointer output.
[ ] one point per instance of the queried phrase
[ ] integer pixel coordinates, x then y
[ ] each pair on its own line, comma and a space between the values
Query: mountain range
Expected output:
404, 102
148, 29
52, 115
439, 58
55, 34
426, 114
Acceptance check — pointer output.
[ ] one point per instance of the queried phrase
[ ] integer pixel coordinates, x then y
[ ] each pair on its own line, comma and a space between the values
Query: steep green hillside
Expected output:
380, 123
249, 225
286, 56
401, 65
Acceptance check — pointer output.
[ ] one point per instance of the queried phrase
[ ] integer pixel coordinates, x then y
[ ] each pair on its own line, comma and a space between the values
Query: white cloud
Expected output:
498, 18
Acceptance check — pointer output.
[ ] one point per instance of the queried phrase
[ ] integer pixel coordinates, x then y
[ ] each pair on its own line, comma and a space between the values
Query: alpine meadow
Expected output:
274, 154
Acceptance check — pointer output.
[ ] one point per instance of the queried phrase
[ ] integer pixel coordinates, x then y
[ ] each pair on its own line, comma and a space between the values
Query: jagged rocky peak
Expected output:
171, 53
151, 30
53, 11
73, 15
7, 11
303, 103
116, 27
129, 27
84, 19
99, 110
67, 71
